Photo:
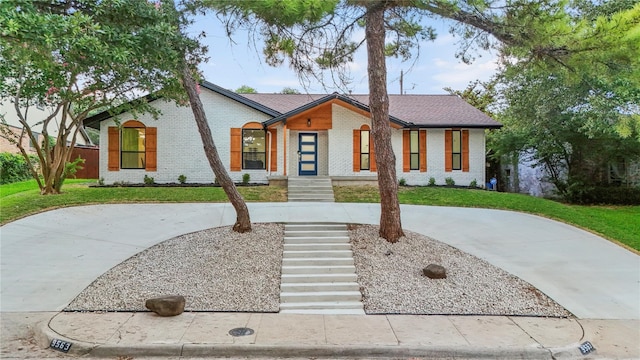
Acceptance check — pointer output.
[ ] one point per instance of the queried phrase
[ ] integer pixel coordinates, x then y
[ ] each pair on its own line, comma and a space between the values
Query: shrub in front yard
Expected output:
13, 168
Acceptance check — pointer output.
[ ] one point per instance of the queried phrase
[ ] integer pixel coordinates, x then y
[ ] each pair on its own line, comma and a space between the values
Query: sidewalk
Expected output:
290, 335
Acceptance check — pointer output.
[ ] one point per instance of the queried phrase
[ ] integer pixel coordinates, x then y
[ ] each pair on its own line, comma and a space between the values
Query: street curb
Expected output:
365, 351
44, 336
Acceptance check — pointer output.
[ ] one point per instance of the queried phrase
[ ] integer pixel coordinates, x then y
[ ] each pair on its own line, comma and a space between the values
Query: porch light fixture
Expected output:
308, 122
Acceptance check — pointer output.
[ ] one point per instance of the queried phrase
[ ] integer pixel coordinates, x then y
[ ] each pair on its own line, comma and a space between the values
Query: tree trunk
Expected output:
243, 222
390, 223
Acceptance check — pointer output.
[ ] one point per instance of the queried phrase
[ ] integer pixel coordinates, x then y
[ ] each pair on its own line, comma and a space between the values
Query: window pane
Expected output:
308, 167
456, 141
307, 138
133, 160
253, 141
133, 139
415, 162
364, 161
307, 157
457, 163
414, 142
308, 148
364, 142
253, 149
253, 160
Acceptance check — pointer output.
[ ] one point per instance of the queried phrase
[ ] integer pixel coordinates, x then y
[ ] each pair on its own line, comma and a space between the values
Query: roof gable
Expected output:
335, 97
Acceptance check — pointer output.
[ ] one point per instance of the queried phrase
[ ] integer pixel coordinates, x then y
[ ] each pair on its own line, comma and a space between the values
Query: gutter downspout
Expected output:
270, 144
284, 147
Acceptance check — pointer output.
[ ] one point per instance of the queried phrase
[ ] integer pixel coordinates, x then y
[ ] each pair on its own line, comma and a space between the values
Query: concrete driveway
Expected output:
49, 258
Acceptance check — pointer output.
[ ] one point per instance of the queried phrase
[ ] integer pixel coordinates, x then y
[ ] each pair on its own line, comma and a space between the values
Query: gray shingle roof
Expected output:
435, 111
421, 110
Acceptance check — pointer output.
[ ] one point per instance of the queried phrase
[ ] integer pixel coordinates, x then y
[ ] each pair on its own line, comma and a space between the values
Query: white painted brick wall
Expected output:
180, 150
341, 152
341, 141
435, 161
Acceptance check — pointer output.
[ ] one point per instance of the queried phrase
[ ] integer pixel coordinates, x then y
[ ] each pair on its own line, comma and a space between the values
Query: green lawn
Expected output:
617, 223
21, 199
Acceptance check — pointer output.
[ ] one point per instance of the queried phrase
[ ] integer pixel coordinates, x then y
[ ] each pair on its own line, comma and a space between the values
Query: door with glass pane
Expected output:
307, 154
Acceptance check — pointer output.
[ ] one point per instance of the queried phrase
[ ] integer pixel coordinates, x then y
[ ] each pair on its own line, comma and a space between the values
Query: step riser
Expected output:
322, 305
317, 278
304, 297
316, 270
314, 240
325, 311
293, 189
314, 200
317, 247
297, 287
295, 254
317, 262
317, 233
315, 227
309, 181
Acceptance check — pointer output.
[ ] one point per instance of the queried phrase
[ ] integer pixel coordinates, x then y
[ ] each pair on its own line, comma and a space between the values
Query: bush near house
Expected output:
601, 195
14, 168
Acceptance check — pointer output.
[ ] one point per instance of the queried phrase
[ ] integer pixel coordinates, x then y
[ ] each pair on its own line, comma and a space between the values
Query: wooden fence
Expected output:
91, 156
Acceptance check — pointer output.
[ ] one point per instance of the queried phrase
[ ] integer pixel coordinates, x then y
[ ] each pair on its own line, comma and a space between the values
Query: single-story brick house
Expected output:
274, 136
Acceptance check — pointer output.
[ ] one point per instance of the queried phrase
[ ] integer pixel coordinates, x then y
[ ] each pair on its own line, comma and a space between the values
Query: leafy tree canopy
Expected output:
75, 56
245, 89
289, 90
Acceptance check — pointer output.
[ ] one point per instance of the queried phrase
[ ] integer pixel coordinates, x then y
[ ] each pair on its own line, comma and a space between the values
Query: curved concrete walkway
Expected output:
47, 259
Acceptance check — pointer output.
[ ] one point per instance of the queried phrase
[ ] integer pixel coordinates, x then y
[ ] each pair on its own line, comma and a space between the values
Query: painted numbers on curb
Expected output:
586, 347
60, 345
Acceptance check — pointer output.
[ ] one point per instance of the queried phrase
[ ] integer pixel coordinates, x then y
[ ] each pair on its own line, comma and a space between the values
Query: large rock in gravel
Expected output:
433, 271
171, 305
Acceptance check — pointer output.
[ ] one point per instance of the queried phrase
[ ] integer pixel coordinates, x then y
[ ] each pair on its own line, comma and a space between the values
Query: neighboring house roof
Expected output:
424, 111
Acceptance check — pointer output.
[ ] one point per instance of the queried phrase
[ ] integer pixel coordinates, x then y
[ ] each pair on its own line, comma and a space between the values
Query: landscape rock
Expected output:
171, 305
433, 271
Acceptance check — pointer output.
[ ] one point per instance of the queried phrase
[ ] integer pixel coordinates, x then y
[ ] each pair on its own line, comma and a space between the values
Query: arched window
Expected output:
132, 145
363, 153
254, 147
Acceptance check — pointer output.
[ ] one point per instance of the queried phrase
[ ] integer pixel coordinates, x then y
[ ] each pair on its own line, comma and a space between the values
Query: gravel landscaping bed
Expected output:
391, 279
219, 270
215, 270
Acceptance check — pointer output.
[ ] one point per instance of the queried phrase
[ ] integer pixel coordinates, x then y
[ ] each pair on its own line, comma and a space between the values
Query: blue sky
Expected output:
233, 65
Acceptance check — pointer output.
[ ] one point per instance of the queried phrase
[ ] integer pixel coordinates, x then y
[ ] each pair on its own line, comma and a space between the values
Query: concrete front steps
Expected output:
318, 274
310, 188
